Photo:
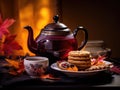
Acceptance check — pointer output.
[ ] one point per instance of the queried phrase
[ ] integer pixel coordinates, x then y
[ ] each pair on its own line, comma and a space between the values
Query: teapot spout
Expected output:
32, 45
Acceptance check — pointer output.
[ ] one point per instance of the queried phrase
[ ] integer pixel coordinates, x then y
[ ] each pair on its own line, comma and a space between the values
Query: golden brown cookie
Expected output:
77, 58
81, 64
83, 67
87, 62
79, 53
80, 58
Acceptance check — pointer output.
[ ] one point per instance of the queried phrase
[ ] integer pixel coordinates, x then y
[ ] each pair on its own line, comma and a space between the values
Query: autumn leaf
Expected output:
9, 45
10, 38
17, 66
4, 25
13, 63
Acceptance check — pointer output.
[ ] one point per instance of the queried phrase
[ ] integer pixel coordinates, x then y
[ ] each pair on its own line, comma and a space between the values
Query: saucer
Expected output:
80, 73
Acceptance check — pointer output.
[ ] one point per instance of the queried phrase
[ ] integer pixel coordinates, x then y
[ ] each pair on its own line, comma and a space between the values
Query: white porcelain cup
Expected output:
35, 66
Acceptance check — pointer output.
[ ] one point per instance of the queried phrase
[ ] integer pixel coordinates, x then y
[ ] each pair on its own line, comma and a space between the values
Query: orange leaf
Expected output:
12, 72
13, 63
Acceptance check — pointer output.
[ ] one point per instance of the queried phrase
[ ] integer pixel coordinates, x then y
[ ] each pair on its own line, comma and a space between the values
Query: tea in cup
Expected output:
35, 66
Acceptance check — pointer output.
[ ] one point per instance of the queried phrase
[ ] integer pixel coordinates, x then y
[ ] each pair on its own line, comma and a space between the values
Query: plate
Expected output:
80, 73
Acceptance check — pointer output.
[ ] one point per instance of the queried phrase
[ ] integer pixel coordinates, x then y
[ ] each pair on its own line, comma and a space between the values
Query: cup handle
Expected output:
81, 28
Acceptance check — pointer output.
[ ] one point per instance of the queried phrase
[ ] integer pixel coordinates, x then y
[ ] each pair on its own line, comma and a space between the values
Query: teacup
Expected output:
35, 66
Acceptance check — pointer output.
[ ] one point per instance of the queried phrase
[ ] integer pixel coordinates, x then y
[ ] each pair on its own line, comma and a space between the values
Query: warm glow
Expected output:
26, 14
37, 16
44, 13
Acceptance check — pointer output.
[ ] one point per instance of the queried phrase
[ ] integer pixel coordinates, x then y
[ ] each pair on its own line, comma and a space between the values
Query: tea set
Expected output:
54, 42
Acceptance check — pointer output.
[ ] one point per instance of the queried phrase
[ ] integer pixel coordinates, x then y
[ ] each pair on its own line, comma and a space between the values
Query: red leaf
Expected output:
4, 26
3, 31
8, 22
10, 45
9, 39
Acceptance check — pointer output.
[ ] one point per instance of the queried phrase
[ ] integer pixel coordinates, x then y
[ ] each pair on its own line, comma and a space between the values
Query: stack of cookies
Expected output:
80, 58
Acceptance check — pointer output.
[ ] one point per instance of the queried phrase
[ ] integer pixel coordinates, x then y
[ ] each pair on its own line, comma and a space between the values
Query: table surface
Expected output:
102, 79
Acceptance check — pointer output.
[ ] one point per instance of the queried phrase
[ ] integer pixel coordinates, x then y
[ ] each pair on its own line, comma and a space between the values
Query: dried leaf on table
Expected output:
13, 63
17, 66
98, 61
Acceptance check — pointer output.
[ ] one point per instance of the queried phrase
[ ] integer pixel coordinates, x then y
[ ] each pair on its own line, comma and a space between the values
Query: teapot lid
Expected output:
56, 26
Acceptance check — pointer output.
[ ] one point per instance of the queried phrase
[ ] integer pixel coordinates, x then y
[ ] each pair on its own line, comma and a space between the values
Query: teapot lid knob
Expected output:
55, 18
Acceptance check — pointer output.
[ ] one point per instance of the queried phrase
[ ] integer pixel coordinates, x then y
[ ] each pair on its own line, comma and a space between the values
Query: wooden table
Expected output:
103, 79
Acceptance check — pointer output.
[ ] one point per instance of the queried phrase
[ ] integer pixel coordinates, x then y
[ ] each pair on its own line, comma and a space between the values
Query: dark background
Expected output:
100, 17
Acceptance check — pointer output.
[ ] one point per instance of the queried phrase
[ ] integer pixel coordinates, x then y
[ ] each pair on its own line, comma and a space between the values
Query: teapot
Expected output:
55, 40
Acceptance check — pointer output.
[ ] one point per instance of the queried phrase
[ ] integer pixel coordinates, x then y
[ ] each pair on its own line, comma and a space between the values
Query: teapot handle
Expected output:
81, 28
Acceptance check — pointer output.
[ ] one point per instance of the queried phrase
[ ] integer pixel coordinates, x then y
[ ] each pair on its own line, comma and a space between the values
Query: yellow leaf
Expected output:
13, 63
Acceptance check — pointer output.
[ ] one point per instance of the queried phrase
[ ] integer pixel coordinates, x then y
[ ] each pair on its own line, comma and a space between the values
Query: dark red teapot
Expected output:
55, 40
